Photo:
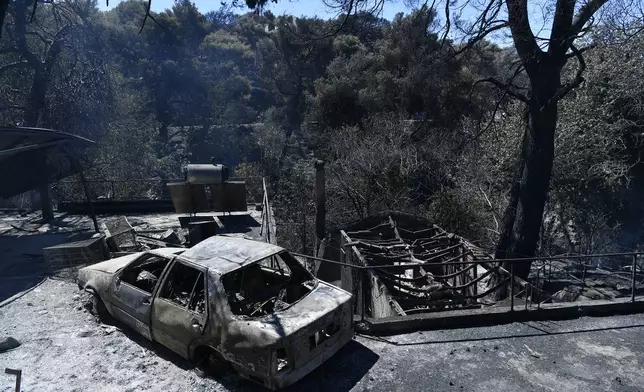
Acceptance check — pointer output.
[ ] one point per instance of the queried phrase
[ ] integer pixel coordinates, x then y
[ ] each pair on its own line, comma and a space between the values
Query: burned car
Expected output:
227, 300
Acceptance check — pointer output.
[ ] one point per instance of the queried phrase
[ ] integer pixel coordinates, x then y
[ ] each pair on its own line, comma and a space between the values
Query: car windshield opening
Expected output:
267, 286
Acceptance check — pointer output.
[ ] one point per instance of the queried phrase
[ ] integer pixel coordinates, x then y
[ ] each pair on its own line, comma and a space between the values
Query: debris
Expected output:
75, 253
109, 329
532, 352
451, 384
85, 333
154, 243
618, 380
172, 237
9, 343
30, 304
119, 234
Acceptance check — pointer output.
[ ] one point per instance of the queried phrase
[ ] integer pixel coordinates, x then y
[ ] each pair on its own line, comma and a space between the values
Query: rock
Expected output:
42, 312
451, 384
85, 333
79, 307
76, 297
109, 329
30, 304
9, 343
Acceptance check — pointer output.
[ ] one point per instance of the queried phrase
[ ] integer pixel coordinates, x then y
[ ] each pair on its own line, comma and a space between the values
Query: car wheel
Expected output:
98, 308
213, 364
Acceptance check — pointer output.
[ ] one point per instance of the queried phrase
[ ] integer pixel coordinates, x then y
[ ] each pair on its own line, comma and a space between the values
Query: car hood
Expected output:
113, 265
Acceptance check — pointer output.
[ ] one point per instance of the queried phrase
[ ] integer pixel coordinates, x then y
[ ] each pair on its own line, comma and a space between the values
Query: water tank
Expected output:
206, 174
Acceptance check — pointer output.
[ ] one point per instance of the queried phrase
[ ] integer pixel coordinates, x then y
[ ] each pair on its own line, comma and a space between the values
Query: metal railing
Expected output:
135, 189
529, 290
267, 222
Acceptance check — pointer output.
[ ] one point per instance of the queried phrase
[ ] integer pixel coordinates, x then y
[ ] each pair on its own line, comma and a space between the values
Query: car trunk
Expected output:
313, 323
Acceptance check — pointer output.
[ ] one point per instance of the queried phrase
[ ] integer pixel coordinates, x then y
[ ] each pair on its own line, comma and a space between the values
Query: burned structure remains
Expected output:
417, 267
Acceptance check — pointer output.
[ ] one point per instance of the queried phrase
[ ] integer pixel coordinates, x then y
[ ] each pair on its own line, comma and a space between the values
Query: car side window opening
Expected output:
145, 272
185, 287
269, 285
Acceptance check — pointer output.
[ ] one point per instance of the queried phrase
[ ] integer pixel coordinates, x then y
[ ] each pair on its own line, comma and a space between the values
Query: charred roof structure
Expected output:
398, 245
31, 157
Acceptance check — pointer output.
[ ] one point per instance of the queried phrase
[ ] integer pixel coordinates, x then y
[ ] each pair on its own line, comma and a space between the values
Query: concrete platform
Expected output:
498, 315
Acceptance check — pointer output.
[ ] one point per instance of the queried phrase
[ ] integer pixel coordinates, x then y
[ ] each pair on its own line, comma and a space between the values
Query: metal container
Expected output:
206, 174
188, 198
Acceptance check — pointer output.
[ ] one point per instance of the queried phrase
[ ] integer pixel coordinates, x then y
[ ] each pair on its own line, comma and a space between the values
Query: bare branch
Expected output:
581, 50
565, 89
561, 26
505, 87
17, 64
584, 14
448, 23
488, 126
33, 11
501, 24
149, 15
524, 41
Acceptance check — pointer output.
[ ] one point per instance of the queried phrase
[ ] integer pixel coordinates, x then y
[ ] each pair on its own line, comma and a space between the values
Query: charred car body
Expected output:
249, 303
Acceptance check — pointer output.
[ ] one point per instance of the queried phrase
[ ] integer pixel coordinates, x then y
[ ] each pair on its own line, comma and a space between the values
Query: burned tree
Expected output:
542, 60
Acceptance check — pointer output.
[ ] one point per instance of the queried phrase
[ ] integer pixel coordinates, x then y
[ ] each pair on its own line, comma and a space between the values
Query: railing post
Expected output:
363, 290
633, 278
512, 286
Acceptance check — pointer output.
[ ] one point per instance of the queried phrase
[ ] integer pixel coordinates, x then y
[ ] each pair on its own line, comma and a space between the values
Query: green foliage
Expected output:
396, 117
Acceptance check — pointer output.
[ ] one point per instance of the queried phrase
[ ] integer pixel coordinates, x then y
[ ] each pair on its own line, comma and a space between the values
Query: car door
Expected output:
132, 288
180, 307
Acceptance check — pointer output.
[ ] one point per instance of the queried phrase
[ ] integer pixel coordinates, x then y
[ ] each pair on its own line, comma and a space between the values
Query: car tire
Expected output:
98, 308
212, 364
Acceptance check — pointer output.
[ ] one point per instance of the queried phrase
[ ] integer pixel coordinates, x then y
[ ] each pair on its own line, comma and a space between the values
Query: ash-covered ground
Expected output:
64, 348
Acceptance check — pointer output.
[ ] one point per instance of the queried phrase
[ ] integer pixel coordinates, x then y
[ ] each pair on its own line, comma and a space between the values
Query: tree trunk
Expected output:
35, 101
522, 225
4, 4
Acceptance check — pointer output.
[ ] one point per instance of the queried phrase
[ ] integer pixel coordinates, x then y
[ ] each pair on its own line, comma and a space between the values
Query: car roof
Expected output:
223, 254
166, 251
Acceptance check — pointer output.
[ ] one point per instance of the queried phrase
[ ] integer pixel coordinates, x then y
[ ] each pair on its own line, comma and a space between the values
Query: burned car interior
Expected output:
185, 287
270, 285
145, 273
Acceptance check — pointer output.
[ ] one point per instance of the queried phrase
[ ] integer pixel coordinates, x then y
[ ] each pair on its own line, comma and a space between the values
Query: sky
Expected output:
292, 7
317, 8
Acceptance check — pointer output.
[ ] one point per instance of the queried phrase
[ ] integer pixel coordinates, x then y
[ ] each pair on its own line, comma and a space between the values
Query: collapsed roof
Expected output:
31, 157
416, 266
